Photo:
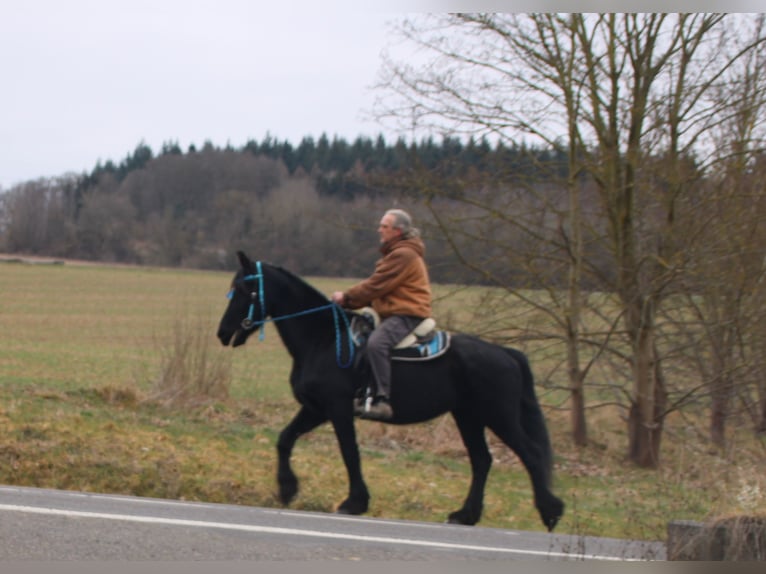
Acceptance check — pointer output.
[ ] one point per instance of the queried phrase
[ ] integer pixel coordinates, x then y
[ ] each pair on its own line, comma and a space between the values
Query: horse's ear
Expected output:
244, 261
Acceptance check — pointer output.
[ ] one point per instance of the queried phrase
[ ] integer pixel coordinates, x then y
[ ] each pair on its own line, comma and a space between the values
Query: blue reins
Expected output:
248, 322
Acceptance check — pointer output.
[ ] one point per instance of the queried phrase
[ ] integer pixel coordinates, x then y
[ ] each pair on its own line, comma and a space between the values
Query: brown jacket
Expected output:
399, 285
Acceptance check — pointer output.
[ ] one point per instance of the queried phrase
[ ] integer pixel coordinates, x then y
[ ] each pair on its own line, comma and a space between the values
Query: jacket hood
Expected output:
414, 243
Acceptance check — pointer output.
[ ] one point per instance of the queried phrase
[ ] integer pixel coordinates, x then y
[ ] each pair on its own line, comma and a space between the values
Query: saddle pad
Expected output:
424, 350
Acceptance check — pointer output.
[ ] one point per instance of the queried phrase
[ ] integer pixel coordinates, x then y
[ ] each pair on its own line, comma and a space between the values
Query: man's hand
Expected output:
338, 297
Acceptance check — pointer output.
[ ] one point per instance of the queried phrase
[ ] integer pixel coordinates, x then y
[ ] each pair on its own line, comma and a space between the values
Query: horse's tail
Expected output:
532, 417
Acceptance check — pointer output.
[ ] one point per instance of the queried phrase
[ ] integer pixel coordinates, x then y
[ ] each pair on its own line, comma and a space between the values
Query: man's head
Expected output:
395, 223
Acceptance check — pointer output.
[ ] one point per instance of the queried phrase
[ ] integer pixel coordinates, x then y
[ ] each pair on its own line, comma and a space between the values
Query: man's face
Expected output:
386, 229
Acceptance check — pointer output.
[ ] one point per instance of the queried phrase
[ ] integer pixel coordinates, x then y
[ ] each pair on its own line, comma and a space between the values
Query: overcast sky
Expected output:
87, 80
83, 81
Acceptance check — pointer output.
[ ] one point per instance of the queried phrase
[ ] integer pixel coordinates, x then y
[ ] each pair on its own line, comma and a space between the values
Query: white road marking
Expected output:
289, 531
362, 519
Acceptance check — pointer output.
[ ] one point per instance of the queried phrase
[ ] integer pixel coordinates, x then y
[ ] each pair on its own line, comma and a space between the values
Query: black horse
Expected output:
483, 386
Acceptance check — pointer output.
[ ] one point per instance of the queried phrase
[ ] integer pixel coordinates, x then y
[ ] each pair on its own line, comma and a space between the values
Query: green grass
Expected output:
81, 348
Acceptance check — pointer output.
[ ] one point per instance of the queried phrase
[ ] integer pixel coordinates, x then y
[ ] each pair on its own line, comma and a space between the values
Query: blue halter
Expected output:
248, 322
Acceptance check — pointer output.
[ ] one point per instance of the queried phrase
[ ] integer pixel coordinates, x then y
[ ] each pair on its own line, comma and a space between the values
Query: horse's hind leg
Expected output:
472, 433
305, 421
548, 505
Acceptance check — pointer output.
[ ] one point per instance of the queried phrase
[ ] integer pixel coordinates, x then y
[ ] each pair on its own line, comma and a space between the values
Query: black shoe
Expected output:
380, 410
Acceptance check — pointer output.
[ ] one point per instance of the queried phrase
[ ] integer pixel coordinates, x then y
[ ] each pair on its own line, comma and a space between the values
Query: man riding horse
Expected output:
399, 291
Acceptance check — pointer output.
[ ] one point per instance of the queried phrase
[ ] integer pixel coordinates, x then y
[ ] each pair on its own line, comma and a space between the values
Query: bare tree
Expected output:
628, 99
105, 228
35, 216
728, 276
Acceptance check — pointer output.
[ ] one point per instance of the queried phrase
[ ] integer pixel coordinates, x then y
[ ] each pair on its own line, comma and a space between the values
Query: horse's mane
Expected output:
304, 284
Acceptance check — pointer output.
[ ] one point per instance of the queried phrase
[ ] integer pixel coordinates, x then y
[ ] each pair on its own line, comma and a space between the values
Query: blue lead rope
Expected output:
336, 312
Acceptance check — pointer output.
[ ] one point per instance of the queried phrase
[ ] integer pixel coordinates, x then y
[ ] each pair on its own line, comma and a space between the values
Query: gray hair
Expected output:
403, 221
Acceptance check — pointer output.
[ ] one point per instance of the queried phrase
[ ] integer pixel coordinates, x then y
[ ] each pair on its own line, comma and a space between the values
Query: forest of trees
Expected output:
195, 208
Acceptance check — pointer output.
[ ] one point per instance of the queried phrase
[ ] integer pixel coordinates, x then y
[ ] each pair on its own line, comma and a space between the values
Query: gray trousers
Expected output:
388, 334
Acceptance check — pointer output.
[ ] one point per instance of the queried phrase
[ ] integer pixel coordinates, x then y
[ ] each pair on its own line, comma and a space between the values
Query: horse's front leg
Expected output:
305, 421
358, 496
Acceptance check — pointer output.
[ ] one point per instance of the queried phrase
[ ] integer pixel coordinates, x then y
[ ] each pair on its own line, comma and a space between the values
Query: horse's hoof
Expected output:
288, 490
552, 524
462, 518
552, 514
352, 508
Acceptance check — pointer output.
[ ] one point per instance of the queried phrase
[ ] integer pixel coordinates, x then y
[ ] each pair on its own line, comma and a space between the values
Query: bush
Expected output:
191, 372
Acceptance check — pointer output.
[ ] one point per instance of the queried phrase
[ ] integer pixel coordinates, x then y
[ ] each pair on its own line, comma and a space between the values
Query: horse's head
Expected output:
246, 305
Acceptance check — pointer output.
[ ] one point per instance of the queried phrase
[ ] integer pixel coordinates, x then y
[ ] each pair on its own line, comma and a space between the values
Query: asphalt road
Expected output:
43, 525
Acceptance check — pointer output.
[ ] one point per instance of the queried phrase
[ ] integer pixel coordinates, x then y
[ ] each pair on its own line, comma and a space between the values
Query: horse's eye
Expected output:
230, 294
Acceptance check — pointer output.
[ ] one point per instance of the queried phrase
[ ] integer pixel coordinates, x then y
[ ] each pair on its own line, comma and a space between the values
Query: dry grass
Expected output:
111, 380
736, 538
191, 372
744, 538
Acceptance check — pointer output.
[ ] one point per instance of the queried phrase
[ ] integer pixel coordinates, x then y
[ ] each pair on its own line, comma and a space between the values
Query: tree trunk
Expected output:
646, 416
574, 288
578, 420
719, 411
576, 389
645, 429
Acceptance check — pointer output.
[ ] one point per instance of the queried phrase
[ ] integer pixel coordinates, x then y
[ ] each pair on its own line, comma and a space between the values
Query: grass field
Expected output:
82, 349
